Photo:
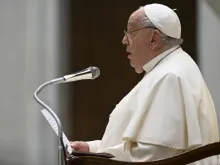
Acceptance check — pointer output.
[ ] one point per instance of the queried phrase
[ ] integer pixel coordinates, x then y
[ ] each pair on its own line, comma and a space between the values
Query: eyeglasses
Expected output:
126, 33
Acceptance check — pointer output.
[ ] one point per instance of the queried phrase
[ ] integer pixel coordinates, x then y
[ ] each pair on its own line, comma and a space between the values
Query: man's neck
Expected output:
152, 63
163, 49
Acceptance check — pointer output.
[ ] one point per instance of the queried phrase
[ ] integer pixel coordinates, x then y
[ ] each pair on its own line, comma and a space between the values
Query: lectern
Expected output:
80, 158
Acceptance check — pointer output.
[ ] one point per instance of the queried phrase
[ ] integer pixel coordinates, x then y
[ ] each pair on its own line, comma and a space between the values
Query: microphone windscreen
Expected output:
95, 72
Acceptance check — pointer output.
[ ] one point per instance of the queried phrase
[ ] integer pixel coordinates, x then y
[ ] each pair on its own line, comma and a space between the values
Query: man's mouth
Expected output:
127, 50
129, 55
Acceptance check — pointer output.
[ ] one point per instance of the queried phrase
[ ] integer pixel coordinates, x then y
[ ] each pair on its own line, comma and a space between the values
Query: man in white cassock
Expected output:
170, 110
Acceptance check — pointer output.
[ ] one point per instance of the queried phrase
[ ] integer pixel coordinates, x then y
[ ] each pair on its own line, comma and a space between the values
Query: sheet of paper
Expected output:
53, 124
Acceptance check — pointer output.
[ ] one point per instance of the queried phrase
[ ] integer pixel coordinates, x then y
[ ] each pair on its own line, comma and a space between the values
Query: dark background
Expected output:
91, 34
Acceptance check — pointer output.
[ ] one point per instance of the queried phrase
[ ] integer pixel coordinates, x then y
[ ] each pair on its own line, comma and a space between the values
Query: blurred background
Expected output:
45, 39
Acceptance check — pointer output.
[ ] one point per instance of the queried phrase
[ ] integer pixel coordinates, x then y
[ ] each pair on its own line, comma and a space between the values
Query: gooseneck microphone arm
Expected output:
60, 129
89, 73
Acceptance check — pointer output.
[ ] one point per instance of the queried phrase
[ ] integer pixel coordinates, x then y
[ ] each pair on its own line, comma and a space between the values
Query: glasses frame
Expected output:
131, 31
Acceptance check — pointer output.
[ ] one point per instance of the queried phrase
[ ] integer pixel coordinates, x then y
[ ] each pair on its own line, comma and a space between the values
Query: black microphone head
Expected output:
95, 72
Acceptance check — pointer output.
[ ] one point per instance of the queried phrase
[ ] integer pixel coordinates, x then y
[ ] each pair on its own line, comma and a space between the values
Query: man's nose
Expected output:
125, 40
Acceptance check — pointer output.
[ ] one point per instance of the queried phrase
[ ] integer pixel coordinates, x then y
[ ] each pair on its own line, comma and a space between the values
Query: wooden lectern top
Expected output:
81, 158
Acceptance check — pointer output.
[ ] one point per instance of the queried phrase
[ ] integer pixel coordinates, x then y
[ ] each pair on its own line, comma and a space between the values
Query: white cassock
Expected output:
168, 112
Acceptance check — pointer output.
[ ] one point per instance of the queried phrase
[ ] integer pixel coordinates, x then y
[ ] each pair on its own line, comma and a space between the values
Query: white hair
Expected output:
165, 39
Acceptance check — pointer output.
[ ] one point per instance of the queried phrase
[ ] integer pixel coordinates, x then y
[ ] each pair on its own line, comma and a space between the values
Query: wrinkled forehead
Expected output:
135, 19
132, 23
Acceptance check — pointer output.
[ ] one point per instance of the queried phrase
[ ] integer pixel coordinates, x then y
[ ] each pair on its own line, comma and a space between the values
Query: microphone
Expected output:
89, 73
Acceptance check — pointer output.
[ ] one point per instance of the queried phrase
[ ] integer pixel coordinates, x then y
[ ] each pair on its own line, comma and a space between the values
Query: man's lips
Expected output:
129, 55
129, 52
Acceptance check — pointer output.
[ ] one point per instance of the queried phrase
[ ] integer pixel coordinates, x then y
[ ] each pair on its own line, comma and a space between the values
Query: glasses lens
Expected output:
126, 34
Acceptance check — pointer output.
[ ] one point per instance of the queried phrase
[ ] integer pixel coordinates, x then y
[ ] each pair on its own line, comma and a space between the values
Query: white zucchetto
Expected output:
165, 19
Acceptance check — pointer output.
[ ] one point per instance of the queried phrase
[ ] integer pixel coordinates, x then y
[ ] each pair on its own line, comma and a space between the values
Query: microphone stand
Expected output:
89, 73
60, 129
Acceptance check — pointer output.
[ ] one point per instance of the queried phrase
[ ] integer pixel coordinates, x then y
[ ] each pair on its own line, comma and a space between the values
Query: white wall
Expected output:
209, 46
28, 57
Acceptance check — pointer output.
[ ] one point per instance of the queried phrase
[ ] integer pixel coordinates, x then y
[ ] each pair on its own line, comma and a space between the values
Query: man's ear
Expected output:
155, 40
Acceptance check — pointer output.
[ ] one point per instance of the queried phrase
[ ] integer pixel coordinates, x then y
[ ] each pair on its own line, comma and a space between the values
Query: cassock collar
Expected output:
151, 64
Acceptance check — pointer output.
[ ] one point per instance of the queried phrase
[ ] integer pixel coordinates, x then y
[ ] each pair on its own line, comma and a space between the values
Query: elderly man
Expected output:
170, 110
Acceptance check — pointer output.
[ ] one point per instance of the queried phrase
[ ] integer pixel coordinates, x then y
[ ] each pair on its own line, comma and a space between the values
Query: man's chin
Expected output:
139, 70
